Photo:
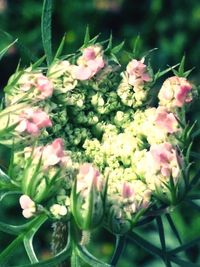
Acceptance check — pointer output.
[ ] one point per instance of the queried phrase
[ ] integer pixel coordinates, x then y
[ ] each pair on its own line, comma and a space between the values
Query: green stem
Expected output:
75, 239
120, 243
137, 239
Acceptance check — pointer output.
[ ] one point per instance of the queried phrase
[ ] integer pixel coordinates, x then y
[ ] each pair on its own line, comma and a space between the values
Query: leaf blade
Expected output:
46, 29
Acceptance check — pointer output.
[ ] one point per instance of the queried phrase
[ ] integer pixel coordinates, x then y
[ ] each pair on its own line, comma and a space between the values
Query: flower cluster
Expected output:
98, 150
135, 79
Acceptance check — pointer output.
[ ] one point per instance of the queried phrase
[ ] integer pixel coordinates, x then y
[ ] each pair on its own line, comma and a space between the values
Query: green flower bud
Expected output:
43, 169
87, 198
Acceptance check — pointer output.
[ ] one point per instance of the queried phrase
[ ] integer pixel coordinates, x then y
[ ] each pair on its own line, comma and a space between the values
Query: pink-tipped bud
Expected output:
87, 198
127, 190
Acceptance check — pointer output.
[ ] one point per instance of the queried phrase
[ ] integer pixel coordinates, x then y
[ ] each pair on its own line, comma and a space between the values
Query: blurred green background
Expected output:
171, 26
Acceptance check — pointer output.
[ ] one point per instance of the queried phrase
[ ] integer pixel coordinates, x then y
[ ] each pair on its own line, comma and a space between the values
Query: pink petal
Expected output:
89, 53
166, 121
41, 119
25, 202
58, 147
27, 213
165, 171
182, 95
84, 169
127, 190
82, 73
32, 128
45, 86
21, 127
146, 77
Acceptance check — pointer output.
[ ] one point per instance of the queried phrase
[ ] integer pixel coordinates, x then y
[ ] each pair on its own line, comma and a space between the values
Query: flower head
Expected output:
89, 64
137, 73
175, 92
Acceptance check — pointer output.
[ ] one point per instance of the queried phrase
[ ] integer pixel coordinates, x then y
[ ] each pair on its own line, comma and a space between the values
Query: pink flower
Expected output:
54, 153
31, 121
127, 190
137, 70
51, 154
45, 86
175, 92
28, 206
89, 64
182, 95
88, 176
89, 53
166, 120
166, 159
81, 73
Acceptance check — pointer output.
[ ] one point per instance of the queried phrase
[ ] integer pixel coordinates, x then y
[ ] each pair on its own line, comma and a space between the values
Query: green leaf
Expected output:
87, 36
110, 41
46, 29
117, 48
195, 179
187, 73
4, 51
4, 178
10, 85
7, 131
119, 246
24, 51
38, 62
60, 48
89, 258
4, 193
181, 66
88, 221
136, 47
161, 73
173, 227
